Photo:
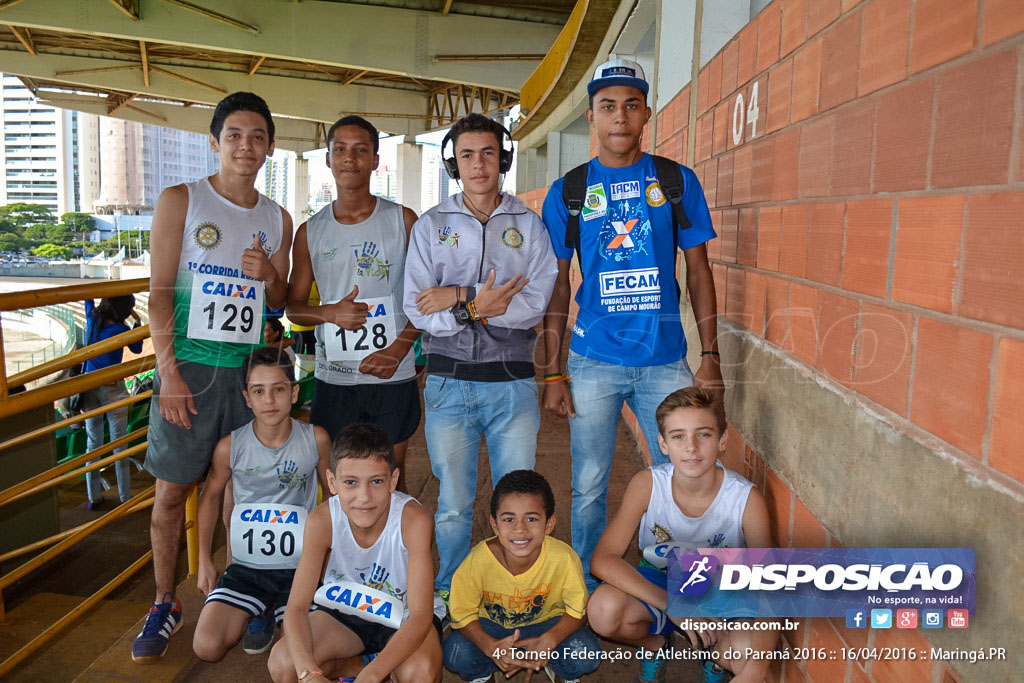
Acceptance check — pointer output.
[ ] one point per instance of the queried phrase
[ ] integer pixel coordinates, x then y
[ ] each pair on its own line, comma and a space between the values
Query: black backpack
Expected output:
574, 191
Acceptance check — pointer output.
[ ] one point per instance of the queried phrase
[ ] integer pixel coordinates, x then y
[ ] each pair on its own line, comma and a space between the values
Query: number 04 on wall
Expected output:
741, 117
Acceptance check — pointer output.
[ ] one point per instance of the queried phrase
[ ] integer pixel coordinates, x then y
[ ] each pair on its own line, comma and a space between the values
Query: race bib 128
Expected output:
377, 333
226, 309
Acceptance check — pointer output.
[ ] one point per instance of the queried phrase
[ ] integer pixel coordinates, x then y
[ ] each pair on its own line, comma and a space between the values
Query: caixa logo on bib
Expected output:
816, 582
361, 601
229, 289
269, 516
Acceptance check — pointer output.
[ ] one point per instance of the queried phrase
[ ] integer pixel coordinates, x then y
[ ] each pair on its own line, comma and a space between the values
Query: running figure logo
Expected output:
696, 579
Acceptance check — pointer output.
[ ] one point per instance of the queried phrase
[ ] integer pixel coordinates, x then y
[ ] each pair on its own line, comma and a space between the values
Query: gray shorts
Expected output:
182, 456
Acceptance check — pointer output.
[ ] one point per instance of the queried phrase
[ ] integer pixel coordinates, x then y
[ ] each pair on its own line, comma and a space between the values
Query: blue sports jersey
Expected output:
629, 310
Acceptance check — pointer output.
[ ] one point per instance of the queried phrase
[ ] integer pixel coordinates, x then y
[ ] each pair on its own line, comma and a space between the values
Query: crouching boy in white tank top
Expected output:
274, 464
370, 546
696, 503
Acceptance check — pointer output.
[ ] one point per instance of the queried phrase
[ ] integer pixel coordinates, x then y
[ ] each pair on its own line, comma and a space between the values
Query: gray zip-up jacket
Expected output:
448, 247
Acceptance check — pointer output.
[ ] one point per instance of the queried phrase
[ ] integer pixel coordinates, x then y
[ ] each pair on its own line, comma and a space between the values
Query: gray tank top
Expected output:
370, 254
285, 475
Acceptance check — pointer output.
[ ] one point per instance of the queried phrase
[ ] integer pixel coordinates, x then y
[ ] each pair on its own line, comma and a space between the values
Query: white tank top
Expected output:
721, 525
370, 254
384, 565
284, 475
216, 233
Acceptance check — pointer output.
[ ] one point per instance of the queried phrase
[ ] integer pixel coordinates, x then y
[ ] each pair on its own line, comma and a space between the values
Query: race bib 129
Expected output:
377, 333
267, 535
226, 309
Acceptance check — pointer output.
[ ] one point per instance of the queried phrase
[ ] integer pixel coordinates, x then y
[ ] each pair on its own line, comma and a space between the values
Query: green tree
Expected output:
58, 234
35, 232
9, 241
23, 215
53, 251
78, 222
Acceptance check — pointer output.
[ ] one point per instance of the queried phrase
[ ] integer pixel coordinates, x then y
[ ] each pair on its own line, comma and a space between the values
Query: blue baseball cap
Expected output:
618, 71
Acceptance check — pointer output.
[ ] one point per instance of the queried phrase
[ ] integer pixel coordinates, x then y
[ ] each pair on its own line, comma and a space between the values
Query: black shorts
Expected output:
254, 590
374, 636
394, 407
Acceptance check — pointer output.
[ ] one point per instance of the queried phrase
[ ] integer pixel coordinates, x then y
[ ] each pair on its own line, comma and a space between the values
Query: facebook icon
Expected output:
856, 618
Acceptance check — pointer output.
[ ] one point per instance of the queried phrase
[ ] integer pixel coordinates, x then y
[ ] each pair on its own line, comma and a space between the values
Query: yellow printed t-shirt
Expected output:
483, 588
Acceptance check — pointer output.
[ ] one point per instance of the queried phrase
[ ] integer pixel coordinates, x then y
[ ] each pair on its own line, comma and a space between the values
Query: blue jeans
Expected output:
118, 421
577, 654
458, 413
598, 391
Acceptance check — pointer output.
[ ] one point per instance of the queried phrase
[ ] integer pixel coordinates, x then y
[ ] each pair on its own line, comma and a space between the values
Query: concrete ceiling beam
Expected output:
395, 111
382, 39
291, 134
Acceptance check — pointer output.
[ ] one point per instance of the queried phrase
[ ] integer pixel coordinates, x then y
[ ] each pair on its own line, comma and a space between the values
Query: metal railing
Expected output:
57, 314
18, 402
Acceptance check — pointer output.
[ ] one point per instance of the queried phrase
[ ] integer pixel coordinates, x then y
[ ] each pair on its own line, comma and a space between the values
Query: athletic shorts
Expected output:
394, 407
254, 590
374, 636
660, 623
182, 456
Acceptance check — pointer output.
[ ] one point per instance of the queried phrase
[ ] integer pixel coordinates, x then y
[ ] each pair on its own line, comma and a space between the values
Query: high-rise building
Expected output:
38, 152
138, 160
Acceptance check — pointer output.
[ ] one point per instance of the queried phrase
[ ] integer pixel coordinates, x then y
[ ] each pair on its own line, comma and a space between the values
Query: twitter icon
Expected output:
881, 618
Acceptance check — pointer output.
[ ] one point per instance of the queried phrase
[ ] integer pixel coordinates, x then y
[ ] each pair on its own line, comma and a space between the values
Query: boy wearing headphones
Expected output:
478, 277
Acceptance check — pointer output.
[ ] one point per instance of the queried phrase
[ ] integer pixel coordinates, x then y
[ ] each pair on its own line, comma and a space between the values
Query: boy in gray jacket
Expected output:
478, 277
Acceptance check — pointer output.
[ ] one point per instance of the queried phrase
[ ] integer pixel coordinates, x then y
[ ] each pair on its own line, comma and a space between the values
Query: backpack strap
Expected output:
574, 190
670, 177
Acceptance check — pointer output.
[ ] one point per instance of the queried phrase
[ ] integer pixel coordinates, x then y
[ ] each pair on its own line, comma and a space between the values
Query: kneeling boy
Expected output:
274, 464
519, 596
693, 501
376, 545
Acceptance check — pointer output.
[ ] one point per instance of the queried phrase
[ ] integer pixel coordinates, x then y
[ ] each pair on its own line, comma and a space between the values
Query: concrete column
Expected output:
300, 191
409, 176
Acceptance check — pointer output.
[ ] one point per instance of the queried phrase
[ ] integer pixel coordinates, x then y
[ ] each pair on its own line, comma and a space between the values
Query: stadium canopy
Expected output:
407, 65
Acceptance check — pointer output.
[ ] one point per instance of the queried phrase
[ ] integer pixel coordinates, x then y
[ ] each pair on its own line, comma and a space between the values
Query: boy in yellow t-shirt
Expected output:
518, 599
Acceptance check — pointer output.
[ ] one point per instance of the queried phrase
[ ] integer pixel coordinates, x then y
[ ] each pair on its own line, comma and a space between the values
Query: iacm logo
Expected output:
229, 289
268, 516
360, 601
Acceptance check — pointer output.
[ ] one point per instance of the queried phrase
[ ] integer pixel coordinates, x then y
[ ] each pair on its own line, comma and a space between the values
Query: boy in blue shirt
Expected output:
627, 341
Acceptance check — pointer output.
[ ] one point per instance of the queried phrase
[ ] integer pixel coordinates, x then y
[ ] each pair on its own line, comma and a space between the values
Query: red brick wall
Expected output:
870, 219
871, 223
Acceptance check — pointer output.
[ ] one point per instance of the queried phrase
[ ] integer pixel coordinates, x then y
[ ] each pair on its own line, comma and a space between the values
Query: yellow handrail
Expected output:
62, 472
44, 557
13, 301
64, 621
81, 417
52, 546
50, 540
58, 390
79, 356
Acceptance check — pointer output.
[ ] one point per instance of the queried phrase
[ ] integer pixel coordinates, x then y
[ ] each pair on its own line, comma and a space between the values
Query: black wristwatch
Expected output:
461, 314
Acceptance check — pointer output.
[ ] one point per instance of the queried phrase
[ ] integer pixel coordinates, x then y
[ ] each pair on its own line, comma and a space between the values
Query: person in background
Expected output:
103, 322
305, 335
273, 335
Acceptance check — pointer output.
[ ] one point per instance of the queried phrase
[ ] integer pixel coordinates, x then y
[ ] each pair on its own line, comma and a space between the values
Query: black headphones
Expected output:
504, 156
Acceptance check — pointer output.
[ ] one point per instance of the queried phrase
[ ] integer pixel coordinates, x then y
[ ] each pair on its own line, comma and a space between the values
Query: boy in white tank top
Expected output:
220, 252
370, 547
694, 502
354, 250
276, 465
